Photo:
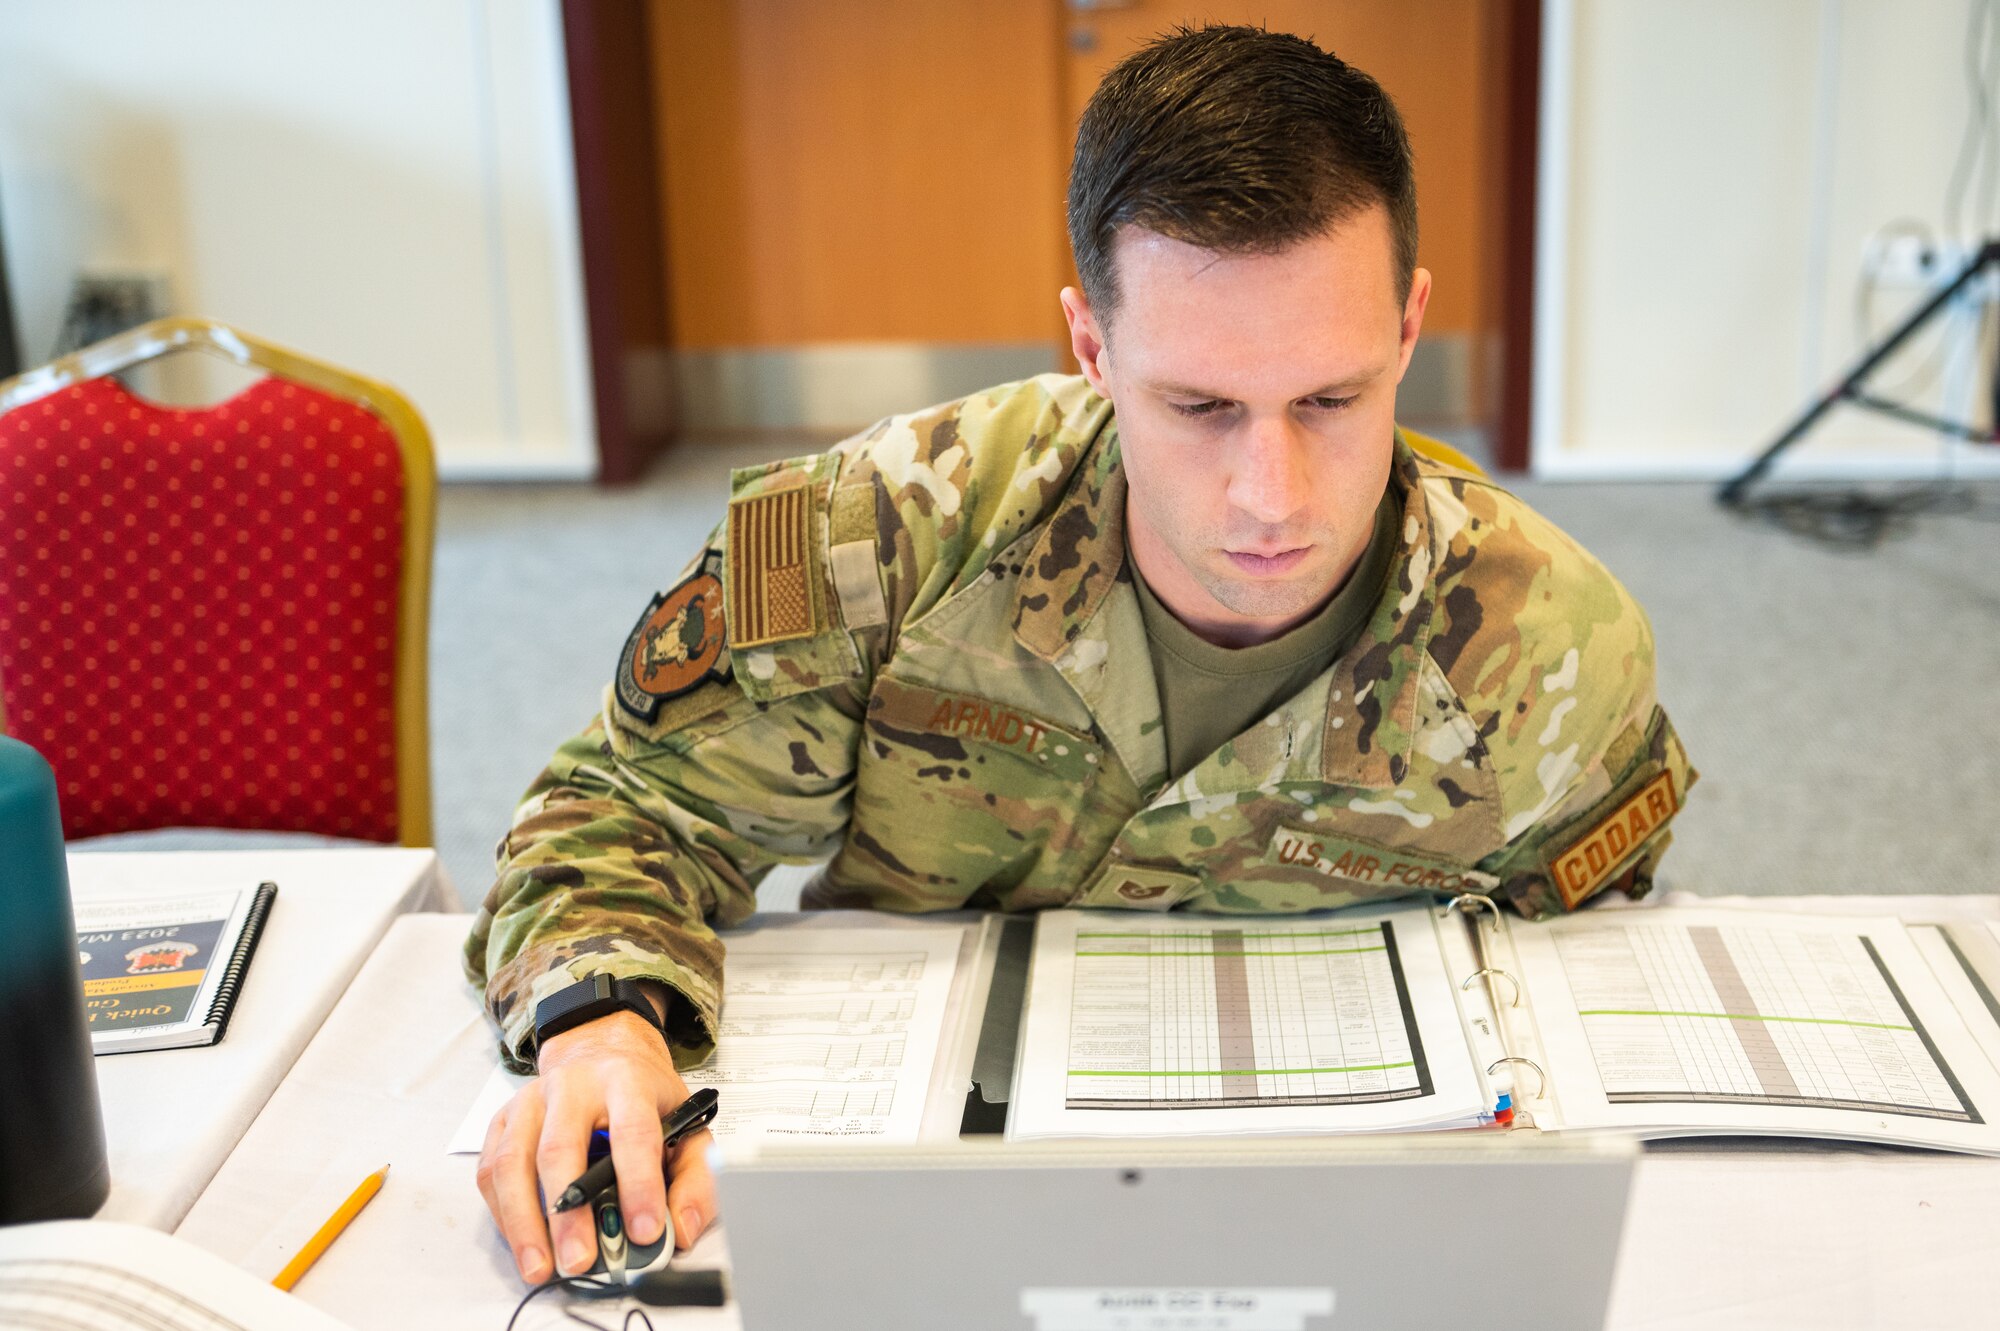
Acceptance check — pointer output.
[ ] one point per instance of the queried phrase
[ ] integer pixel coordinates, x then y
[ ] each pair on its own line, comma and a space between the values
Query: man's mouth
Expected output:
1271, 564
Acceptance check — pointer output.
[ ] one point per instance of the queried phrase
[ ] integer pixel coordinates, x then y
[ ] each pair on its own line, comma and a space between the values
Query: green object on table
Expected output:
52, 1162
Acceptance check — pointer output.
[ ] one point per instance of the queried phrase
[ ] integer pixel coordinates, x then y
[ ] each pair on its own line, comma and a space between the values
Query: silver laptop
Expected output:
1470, 1231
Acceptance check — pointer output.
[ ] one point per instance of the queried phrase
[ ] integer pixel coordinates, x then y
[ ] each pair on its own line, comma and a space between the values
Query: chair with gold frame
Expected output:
1437, 450
218, 616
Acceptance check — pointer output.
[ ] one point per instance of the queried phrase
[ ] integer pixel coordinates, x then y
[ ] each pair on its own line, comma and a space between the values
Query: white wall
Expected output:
1712, 169
386, 184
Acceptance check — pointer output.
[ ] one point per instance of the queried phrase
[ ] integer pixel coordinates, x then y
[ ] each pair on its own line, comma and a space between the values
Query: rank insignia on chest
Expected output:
774, 587
675, 648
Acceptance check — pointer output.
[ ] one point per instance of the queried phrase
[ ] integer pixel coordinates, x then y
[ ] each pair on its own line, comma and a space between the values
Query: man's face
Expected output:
1256, 399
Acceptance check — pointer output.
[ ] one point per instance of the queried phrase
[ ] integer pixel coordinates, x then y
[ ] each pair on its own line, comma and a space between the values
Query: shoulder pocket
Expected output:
1624, 830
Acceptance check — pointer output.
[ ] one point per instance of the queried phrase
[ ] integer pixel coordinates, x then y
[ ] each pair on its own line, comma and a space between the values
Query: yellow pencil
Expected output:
330, 1231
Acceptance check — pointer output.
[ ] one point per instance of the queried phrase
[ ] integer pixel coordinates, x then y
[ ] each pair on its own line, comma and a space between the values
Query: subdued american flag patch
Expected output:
771, 591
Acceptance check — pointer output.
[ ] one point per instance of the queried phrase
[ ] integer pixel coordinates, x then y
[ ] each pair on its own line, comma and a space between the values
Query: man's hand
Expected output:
613, 1072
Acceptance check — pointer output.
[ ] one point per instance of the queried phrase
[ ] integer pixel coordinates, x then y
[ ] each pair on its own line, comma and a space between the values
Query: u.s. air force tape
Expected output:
1379, 867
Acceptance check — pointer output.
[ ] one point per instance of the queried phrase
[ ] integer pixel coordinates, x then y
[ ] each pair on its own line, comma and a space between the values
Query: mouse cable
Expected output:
671, 1288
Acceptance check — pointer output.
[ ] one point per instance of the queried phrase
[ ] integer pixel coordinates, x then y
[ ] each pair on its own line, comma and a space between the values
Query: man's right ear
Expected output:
1086, 338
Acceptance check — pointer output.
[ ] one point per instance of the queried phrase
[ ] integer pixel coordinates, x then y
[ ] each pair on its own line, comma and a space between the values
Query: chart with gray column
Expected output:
1215, 1017
1731, 1015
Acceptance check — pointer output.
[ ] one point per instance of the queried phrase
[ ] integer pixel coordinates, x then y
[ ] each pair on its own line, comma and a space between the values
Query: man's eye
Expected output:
1208, 408
1330, 403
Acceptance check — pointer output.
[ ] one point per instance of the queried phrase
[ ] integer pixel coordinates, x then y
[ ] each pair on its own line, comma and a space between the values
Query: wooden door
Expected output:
871, 169
1443, 61
877, 178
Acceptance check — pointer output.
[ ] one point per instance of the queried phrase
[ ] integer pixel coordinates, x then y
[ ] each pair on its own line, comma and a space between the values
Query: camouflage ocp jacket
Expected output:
921, 654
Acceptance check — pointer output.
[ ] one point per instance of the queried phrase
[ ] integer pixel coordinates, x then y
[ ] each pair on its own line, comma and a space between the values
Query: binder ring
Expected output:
1513, 985
1472, 902
1541, 1078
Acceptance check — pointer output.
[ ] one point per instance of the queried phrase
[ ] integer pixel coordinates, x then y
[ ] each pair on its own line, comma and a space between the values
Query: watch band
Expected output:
587, 1000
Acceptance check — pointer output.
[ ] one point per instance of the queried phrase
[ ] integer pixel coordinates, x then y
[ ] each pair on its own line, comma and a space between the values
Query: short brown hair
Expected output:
1238, 140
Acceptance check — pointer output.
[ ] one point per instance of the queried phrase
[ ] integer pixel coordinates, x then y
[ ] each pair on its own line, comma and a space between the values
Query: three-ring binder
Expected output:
1469, 904
1541, 1077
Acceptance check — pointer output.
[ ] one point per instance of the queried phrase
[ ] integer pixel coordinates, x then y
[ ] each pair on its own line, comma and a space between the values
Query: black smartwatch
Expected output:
587, 1000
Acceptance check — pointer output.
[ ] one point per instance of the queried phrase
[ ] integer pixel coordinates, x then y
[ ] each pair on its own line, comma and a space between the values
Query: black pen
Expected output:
695, 1112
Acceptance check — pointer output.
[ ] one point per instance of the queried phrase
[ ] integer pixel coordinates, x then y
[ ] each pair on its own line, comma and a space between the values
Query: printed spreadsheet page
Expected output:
1722, 1021
827, 1034
1140, 1025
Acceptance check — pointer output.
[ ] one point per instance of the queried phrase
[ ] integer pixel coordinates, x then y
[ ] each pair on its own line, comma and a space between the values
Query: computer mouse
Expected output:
618, 1258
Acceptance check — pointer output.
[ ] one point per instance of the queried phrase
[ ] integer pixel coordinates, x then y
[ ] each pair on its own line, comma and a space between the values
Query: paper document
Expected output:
1818, 1025
1975, 945
1141, 1025
1965, 955
826, 1033
154, 966
116, 1277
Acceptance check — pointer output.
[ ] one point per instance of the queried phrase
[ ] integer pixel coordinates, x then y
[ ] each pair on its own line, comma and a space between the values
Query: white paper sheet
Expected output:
1965, 957
1973, 947
116, 1277
1678, 1022
826, 1033
1171, 1025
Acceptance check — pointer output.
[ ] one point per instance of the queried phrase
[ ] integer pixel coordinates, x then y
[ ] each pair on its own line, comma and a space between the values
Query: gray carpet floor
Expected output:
1838, 704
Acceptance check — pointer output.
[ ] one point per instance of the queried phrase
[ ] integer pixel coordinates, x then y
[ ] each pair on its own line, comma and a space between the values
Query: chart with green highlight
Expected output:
1722, 1014
1208, 1016
1661, 1021
1165, 1025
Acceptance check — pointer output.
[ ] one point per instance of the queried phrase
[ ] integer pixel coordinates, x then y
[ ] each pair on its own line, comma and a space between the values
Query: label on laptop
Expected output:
1175, 1308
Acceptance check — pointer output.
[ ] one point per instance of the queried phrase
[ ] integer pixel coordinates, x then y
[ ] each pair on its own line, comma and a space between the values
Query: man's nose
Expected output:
1272, 479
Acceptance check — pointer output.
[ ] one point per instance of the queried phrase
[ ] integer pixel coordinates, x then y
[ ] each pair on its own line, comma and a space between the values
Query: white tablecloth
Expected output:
1757, 1235
172, 1116
387, 1081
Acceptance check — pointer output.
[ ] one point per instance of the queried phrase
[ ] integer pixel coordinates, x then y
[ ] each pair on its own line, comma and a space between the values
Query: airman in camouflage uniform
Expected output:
962, 715
937, 653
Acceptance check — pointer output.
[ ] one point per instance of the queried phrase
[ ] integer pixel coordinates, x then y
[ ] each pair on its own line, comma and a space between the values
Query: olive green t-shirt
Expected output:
1209, 695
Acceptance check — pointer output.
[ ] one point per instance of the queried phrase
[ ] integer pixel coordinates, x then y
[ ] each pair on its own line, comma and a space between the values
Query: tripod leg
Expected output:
1990, 338
1732, 492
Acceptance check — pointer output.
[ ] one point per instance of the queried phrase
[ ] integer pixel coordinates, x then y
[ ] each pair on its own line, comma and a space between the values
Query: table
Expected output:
1763, 1235
1767, 1233
171, 1116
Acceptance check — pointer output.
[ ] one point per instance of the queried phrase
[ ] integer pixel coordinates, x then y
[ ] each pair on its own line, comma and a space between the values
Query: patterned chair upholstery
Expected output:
217, 617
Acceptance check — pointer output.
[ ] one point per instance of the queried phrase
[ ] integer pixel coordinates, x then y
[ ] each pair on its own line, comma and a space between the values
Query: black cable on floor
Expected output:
1857, 520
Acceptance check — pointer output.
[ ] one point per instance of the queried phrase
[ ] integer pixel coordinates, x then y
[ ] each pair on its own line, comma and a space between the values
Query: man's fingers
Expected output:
496, 1131
507, 1180
560, 1158
635, 1154
691, 1188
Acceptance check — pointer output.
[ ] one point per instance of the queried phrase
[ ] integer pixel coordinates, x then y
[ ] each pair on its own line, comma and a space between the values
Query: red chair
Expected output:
217, 617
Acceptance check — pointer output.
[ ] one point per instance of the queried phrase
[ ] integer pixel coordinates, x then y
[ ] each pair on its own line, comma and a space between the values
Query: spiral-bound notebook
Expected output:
163, 972
1663, 1021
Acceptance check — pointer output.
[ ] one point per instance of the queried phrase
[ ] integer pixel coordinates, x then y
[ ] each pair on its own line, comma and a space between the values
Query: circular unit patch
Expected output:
675, 648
